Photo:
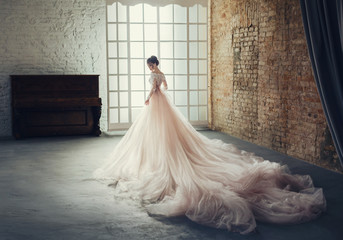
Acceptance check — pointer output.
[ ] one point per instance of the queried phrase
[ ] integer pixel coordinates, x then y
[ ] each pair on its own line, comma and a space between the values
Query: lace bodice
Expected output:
156, 79
159, 78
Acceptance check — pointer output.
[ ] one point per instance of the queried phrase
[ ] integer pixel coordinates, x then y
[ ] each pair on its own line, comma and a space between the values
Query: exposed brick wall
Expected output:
263, 90
51, 37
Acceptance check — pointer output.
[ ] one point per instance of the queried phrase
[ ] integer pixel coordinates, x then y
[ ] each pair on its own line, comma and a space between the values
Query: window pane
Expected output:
122, 31
193, 82
166, 14
122, 16
193, 66
180, 32
124, 115
136, 32
180, 14
193, 50
111, 13
150, 32
112, 66
202, 49
202, 32
183, 110
150, 13
123, 83
137, 66
136, 13
171, 96
180, 66
147, 78
170, 81
193, 113
202, 66
202, 14
202, 97
166, 49
202, 113
193, 97
137, 99
203, 82
180, 97
150, 49
193, 32
136, 50
180, 49
181, 82
123, 66
113, 83
193, 12
135, 112
124, 99
123, 49
137, 82
167, 66
166, 32
113, 99
113, 115
112, 50
112, 32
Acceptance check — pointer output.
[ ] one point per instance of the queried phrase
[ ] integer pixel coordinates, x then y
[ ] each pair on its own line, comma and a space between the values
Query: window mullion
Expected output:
188, 80
108, 78
117, 37
129, 63
144, 54
173, 24
158, 33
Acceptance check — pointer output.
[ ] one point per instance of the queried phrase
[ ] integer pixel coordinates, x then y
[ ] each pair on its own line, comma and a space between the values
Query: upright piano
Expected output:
49, 105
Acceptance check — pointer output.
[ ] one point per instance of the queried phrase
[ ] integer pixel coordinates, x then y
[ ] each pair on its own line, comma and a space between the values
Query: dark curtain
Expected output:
323, 23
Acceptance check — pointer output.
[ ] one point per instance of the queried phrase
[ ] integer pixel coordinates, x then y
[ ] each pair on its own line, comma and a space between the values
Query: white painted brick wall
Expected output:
51, 37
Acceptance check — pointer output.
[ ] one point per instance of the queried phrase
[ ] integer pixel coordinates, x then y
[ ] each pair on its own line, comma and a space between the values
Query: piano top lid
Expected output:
55, 86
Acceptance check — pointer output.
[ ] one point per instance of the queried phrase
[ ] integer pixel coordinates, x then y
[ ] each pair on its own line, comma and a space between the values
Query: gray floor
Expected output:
45, 194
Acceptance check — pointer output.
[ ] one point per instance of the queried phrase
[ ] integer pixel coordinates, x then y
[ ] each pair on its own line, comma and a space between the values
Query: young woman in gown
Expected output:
175, 170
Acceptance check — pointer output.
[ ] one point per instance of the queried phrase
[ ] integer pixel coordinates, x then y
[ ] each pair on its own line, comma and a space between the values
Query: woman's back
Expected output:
159, 78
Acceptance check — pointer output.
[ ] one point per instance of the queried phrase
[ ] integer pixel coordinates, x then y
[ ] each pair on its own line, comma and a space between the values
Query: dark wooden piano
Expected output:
49, 105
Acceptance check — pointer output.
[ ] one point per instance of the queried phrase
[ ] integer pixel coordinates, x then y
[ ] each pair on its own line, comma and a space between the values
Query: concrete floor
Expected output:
45, 193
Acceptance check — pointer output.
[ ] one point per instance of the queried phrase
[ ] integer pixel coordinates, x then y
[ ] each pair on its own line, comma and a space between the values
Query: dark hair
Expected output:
153, 59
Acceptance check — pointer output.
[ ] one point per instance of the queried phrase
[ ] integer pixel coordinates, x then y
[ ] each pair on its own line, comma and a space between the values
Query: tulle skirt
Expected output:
175, 170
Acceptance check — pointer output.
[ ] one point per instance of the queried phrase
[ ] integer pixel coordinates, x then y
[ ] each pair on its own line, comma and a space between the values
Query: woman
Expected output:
177, 171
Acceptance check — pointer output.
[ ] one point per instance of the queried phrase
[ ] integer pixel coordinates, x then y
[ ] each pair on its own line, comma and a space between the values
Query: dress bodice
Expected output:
159, 78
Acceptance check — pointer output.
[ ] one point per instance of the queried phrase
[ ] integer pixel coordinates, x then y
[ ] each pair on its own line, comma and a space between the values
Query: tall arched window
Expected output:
173, 30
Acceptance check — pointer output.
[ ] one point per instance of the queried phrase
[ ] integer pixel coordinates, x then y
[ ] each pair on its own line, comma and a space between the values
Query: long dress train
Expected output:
164, 161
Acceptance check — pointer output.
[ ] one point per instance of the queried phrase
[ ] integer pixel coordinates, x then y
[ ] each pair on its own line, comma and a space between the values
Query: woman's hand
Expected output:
147, 102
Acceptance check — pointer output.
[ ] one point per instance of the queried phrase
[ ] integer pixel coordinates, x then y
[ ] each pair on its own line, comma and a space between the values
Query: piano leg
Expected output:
96, 117
16, 124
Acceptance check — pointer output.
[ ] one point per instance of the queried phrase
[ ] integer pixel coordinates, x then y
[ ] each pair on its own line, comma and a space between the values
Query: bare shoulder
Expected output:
162, 74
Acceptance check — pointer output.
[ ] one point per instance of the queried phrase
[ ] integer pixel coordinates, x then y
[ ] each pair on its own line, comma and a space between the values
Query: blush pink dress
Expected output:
175, 170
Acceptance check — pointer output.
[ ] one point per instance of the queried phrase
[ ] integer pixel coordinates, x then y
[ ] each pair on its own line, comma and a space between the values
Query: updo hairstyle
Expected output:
153, 59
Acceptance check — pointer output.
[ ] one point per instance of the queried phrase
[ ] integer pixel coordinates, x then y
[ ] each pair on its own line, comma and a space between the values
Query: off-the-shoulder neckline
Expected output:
157, 73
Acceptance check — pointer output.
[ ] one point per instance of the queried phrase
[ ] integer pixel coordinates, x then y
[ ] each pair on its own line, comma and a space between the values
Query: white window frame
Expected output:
125, 125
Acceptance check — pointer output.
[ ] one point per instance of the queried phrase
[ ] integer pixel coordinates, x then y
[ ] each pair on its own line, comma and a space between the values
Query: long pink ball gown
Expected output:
163, 160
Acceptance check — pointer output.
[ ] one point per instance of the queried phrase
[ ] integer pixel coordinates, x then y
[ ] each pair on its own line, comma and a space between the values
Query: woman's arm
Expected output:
165, 84
153, 89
